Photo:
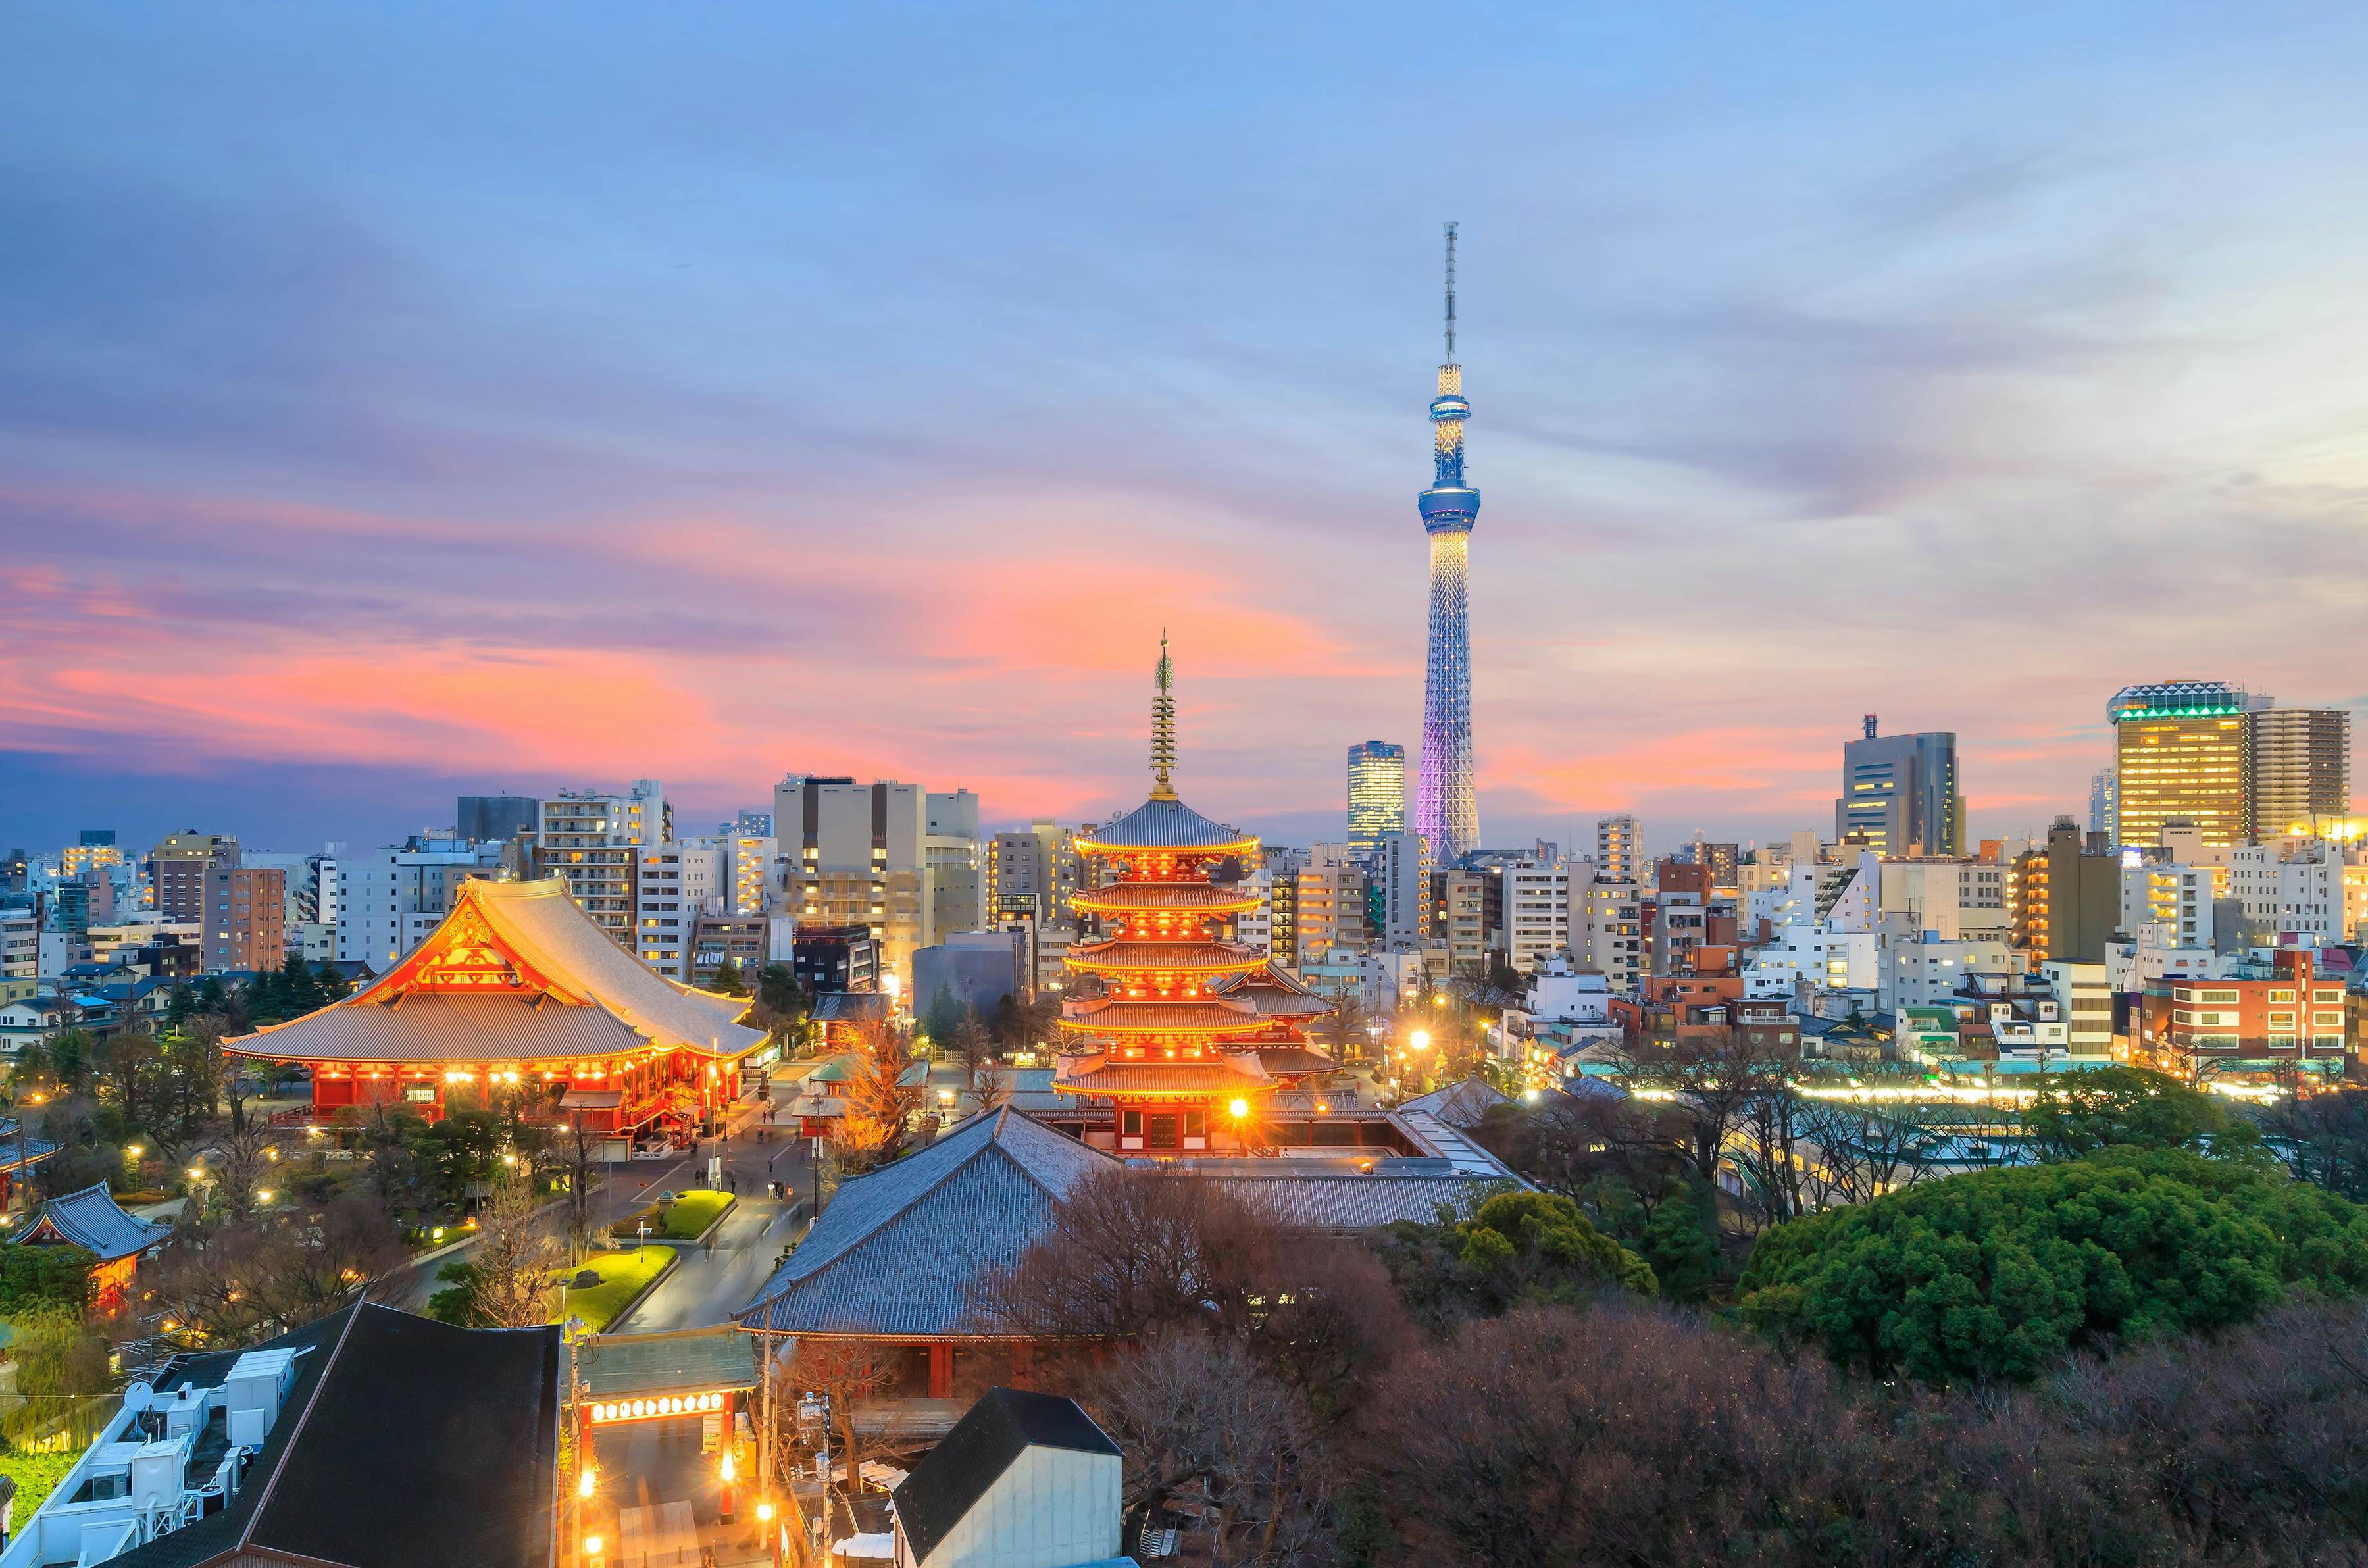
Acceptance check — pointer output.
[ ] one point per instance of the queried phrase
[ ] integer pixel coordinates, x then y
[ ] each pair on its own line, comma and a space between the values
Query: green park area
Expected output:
623, 1275
683, 1217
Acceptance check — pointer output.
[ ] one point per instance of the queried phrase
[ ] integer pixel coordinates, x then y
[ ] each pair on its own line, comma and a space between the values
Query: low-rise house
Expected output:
1023, 1481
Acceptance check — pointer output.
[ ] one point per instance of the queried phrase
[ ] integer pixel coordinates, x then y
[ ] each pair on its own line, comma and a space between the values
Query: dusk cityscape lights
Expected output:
736, 828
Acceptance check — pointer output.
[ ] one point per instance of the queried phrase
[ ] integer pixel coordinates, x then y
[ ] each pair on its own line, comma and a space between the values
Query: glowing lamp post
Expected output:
725, 1473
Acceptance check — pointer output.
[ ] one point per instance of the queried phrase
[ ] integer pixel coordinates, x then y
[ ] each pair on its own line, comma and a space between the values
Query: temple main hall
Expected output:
519, 991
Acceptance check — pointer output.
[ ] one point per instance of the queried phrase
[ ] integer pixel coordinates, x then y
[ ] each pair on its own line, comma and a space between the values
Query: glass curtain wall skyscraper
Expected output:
1376, 792
1447, 807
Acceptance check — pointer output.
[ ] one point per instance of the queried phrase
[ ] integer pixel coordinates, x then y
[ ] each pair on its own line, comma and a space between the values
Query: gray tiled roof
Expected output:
91, 1219
1459, 1105
1347, 1202
1163, 825
895, 1251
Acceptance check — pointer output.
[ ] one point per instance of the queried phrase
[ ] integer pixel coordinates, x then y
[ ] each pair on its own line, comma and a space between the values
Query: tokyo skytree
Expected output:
1447, 807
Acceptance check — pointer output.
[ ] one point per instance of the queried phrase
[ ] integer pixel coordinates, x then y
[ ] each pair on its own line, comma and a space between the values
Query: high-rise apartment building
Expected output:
1376, 792
1459, 917
2299, 761
1282, 869
595, 840
177, 872
674, 886
1405, 882
2064, 900
246, 917
1619, 848
1900, 793
1537, 913
93, 847
1330, 917
858, 855
1033, 871
2181, 752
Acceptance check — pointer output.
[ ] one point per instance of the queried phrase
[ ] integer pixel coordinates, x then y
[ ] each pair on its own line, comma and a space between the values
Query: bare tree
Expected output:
1130, 1251
517, 1259
1210, 1435
851, 1371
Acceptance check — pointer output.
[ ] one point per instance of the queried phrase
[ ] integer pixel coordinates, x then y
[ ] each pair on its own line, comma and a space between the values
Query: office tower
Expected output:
246, 917
1447, 807
857, 854
1900, 795
2104, 803
1376, 792
176, 871
956, 863
1619, 848
489, 819
2181, 754
2300, 765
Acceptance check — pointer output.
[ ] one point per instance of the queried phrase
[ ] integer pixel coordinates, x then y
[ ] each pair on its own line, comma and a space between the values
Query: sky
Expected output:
402, 402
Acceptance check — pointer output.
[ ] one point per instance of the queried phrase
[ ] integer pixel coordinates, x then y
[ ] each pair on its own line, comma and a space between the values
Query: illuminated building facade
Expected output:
2182, 754
1899, 793
1186, 1035
519, 991
1447, 806
1620, 849
1376, 792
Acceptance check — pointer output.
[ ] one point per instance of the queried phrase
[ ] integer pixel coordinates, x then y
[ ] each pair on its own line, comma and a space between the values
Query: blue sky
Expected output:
400, 401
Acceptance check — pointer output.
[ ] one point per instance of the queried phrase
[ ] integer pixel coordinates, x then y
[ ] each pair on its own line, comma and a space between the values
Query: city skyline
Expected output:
331, 498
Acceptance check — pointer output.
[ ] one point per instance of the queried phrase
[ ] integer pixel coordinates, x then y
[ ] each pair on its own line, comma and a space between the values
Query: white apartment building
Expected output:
1620, 849
1807, 951
1331, 904
1607, 925
1926, 972
390, 899
2175, 899
1537, 913
2084, 1000
748, 872
1255, 928
955, 859
676, 883
20, 944
2288, 893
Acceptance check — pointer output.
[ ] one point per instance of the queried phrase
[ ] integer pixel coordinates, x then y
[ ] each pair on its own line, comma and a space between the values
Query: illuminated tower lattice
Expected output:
1447, 807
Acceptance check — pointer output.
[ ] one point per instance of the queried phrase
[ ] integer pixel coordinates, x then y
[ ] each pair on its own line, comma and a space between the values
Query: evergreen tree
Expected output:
944, 1017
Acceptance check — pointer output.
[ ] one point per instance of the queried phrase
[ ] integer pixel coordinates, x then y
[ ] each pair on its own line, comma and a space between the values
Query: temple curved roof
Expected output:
1184, 898
516, 970
1116, 1015
1128, 955
1226, 1072
1163, 824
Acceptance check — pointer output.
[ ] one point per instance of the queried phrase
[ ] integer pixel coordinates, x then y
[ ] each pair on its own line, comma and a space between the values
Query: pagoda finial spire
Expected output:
1162, 725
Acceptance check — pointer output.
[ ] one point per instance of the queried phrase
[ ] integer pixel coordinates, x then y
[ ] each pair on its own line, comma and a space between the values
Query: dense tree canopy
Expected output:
1517, 1247
2078, 1113
1999, 1273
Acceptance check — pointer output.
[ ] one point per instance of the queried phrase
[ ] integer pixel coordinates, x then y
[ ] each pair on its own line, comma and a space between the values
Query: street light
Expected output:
1420, 1040
1240, 1108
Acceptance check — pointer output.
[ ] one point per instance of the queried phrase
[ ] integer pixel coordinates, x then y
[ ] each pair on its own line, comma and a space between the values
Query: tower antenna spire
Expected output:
1450, 293
1163, 724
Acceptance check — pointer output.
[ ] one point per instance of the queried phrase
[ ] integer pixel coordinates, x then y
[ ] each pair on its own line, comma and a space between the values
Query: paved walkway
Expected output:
707, 1286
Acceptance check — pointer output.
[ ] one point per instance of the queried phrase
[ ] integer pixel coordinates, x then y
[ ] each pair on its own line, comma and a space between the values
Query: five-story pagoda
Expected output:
1185, 1033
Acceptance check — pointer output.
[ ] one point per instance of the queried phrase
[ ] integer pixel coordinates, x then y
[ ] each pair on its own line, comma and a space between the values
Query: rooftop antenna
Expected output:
1450, 293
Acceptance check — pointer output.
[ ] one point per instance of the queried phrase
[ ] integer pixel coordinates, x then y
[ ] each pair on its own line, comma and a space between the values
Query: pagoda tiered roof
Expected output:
1164, 822
1156, 897
516, 972
1134, 956
1220, 1074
